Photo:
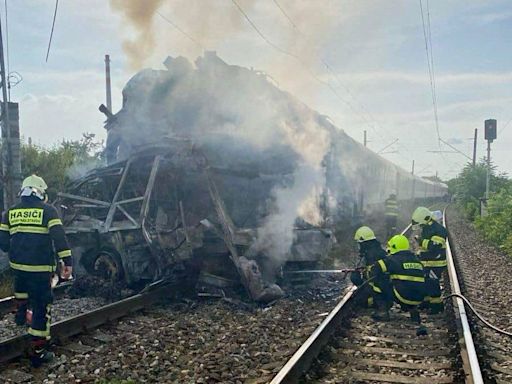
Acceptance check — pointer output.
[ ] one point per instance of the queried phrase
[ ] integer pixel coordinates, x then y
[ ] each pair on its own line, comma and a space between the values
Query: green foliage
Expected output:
469, 186
496, 227
115, 381
60, 163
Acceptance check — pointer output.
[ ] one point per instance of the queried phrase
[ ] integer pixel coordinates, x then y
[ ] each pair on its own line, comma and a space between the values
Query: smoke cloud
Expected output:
297, 29
140, 14
240, 112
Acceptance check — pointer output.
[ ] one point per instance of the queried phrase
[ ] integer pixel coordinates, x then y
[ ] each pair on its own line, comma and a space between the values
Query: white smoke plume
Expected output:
297, 28
244, 106
246, 119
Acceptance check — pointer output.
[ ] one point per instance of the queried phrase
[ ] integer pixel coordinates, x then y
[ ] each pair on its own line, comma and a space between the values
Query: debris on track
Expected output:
193, 342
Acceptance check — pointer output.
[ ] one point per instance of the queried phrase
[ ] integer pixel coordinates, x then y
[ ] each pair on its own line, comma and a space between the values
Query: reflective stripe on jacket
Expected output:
407, 276
433, 245
391, 207
30, 231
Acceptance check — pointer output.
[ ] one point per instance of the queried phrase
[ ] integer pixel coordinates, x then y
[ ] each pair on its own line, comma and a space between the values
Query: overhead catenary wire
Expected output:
430, 62
287, 16
431, 55
298, 59
183, 32
7, 51
504, 126
53, 27
371, 122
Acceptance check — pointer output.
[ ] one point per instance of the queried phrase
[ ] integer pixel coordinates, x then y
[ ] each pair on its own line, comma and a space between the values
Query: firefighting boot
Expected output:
381, 316
415, 316
436, 308
381, 312
39, 353
20, 318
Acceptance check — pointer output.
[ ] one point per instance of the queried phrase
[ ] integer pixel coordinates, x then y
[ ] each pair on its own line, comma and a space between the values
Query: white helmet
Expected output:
421, 216
34, 185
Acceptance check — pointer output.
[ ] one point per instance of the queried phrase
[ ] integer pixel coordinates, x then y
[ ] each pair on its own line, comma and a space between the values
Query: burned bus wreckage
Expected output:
167, 210
216, 174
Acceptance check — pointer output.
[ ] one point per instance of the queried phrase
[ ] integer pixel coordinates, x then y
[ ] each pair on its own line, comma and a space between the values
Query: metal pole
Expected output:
435, 185
474, 147
413, 182
6, 133
364, 140
108, 85
487, 182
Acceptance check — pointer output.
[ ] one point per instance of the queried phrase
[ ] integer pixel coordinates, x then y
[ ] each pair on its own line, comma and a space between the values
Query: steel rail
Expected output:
7, 303
15, 347
474, 375
301, 360
299, 363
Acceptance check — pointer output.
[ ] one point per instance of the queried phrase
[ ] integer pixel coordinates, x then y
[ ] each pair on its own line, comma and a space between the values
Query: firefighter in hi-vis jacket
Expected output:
407, 277
378, 290
30, 232
391, 214
432, 254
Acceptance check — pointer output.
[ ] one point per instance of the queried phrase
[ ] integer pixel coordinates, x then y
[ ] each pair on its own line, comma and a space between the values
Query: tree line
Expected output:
468, 188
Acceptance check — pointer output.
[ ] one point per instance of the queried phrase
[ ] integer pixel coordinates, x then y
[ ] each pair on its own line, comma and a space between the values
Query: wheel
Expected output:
108, 266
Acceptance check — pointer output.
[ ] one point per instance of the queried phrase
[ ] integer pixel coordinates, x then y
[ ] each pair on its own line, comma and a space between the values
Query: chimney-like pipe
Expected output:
107, 80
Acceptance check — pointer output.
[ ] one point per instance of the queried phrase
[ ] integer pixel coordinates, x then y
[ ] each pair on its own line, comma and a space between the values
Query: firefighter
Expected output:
432, 243
29, 232
407, 277
391, 214
370, 251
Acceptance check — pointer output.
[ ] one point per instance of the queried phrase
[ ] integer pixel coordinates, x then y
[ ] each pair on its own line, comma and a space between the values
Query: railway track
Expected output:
485, 281
16, 346
7, 303
350, 347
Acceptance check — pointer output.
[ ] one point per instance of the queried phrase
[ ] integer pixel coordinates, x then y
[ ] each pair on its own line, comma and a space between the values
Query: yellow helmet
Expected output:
364, 234
421, 216
397, 243
34, 185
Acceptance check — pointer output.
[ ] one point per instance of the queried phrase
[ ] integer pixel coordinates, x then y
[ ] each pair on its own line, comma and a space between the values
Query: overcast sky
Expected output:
377, 78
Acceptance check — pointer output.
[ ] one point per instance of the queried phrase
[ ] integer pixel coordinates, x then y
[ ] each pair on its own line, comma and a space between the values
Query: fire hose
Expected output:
486, 323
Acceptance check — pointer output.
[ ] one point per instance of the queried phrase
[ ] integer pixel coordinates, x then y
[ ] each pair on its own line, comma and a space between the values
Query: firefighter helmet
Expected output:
364, 234
397, 243
421, 216
34, 185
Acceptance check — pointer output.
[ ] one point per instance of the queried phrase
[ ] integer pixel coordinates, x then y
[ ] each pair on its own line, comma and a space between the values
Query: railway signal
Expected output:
490, 126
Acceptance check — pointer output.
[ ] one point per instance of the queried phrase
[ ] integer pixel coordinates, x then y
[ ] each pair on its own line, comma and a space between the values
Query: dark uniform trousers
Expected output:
433, 257
407, 278
33, 290
32, 233
377, 288
391, 214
